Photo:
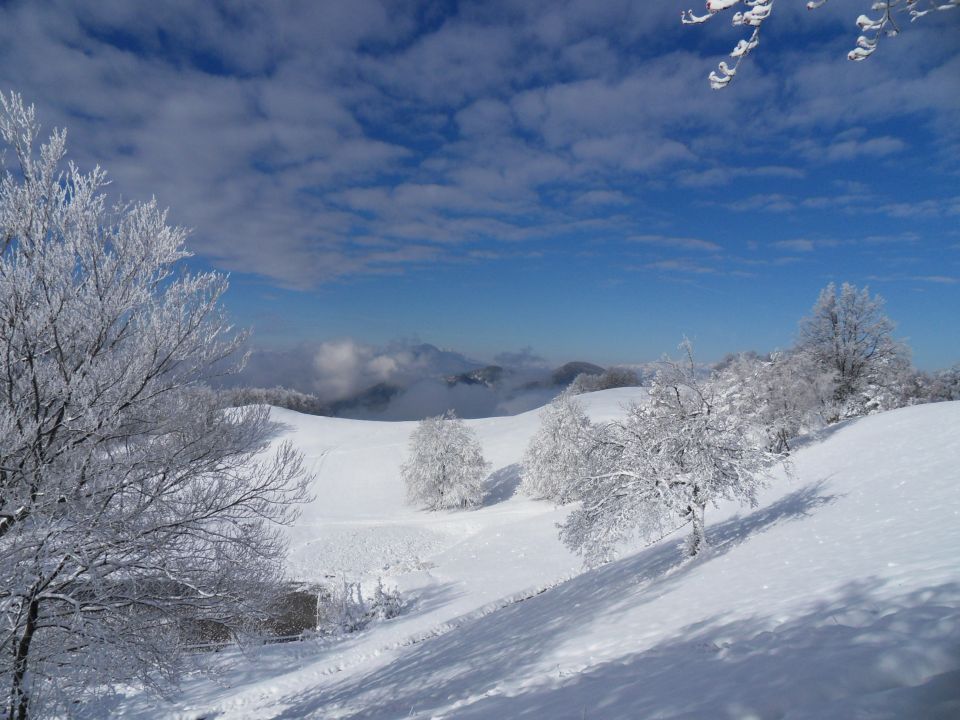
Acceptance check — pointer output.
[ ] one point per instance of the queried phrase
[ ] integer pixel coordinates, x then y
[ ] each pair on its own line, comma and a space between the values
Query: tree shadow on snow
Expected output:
862, 653
798, 504
484, 653
425, 600
818, 436
502, 485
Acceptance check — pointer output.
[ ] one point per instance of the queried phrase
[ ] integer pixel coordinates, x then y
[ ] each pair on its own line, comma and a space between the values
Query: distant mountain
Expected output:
565, 374
435, 361
493, 375
487, 376
373, 399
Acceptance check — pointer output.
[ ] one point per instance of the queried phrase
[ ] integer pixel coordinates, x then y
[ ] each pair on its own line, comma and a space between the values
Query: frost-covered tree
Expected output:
937, 387
849, 335
882, 24
559, 454
783, 396
446, 468
663, 464
133, 506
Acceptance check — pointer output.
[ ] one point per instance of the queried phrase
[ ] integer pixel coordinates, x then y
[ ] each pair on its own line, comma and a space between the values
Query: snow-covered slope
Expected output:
837, 597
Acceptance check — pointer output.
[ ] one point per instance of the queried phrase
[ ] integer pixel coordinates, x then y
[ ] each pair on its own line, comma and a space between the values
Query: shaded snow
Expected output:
837, 597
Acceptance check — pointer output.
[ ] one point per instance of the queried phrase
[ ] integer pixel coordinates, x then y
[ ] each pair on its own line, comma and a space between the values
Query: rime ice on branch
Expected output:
871, 28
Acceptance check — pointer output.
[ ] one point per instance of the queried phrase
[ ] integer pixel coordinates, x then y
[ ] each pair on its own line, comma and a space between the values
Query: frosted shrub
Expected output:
343, 608
386, 602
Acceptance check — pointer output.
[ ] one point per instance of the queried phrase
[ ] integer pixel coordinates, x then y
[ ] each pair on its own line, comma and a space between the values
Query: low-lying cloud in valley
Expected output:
403, 380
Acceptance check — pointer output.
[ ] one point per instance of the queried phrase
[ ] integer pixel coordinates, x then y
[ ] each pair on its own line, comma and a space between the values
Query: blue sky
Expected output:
493, 176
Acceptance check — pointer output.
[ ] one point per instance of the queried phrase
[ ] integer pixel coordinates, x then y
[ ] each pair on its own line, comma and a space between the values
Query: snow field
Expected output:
837, 597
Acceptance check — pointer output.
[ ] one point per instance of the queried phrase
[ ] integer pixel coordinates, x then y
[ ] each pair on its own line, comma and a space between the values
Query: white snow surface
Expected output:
837, 597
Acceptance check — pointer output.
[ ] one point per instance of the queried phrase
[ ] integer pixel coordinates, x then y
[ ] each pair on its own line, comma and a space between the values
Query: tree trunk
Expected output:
782, 444
19, 699
697, 541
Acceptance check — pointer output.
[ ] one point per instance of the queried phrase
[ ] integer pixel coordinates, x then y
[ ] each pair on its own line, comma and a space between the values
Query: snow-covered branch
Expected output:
882, 23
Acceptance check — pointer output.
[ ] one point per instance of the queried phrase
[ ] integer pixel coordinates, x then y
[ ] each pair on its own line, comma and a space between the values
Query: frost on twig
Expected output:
754, 17
871, 28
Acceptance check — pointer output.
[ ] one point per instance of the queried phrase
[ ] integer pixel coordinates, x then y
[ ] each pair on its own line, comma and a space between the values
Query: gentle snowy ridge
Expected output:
837, 597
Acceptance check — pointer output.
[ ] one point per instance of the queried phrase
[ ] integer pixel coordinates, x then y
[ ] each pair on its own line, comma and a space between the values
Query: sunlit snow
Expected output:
837, 597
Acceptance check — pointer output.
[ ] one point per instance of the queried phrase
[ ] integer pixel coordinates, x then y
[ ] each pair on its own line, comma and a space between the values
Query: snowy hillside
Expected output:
837, 597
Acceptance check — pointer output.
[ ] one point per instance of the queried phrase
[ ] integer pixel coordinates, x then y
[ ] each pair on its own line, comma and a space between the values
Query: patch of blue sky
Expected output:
490, 176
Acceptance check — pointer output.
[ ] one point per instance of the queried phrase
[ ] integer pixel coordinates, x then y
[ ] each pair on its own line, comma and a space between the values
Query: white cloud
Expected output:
796, 245
681, 243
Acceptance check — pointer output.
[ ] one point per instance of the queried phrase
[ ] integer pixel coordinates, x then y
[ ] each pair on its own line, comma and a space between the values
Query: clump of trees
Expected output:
783, 395
846, 363
932, 387
133, 504
614, 377
446, 468
703, 436
664, 464
278, 397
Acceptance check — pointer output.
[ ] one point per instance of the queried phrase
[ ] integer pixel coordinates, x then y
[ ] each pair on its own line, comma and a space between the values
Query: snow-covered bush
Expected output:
446, 468
884, 24
386, 603
132, 504
343, 608
559, 455
663, 464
